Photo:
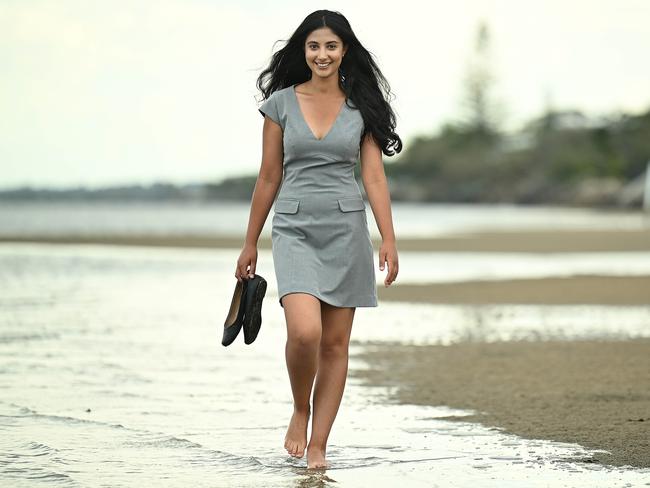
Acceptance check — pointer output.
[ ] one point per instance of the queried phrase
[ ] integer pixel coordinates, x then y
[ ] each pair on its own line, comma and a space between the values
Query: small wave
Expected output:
31, 449
50, 476
223, 459
26, 462
41, 449
66, 419
23, 411
193, 452
166, 441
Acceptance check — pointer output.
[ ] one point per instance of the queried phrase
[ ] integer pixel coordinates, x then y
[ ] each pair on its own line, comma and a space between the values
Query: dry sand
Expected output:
596, 394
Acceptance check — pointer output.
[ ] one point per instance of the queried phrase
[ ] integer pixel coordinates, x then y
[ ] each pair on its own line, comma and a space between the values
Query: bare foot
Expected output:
296, 439
316, 458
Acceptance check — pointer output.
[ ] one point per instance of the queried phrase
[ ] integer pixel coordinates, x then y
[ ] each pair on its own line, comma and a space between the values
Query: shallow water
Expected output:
231, 218
414, 267
113, 374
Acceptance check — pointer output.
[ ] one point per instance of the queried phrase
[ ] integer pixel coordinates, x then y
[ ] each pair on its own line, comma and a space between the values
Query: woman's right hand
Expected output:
246, 263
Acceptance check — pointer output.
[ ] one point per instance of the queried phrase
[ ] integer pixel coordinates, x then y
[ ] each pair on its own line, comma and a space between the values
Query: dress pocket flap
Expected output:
286, 206
351, 204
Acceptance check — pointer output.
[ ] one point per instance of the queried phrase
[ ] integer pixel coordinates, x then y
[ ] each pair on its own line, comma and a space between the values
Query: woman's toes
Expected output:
296, 437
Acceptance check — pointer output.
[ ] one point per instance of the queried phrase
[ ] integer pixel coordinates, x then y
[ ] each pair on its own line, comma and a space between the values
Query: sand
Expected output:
581, 289
596, 394
538, 241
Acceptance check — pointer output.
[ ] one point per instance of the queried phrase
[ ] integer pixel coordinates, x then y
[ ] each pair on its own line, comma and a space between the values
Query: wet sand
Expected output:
596, 394
580, 289
539, 241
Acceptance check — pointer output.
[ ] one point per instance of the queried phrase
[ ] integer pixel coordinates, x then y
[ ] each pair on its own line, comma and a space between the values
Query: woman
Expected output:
324, 108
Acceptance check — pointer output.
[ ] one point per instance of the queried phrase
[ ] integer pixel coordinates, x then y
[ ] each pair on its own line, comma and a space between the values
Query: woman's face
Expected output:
324, 52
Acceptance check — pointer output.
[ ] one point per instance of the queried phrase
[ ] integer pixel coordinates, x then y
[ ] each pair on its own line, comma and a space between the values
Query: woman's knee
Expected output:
302, 312
338, 348
304, 336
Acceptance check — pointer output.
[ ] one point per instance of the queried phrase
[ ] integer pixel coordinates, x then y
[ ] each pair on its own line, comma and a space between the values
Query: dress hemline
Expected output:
370, 303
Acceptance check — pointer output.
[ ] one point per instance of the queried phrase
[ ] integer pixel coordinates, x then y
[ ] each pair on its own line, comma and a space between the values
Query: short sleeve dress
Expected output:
320, 239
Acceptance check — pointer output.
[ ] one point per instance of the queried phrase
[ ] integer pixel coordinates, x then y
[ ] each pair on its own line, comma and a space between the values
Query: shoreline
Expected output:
593, 393
535, 241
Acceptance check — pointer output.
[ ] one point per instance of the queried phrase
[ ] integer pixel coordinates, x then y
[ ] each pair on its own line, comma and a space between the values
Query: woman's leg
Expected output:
330, 378
303, 315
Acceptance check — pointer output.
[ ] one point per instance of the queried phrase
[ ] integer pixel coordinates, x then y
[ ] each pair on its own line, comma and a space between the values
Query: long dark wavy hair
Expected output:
360, 77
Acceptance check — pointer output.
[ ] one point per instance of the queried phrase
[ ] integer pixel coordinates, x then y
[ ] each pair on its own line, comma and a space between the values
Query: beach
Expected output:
592, 392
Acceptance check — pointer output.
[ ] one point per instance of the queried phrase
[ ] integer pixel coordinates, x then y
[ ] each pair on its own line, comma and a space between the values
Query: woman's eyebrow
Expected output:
326, 42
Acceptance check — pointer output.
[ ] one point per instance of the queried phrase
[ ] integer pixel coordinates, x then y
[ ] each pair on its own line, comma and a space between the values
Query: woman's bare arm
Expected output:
376, 186
266, 188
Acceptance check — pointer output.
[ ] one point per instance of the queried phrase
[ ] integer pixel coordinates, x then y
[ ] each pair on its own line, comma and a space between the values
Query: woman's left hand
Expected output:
388, 255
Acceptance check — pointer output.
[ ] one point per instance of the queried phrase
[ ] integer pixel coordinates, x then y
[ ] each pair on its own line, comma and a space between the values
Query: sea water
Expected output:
112, 374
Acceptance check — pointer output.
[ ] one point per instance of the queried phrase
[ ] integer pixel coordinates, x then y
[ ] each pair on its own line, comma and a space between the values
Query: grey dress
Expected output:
320, 239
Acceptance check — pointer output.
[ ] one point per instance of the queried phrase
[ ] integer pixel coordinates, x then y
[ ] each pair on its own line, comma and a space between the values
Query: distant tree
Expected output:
481, 114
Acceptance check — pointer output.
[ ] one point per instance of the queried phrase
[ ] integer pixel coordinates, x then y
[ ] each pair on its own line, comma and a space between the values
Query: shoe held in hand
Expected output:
235, 318
253, 308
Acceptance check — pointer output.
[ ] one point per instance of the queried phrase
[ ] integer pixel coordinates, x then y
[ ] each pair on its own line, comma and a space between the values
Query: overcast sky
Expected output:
117, 92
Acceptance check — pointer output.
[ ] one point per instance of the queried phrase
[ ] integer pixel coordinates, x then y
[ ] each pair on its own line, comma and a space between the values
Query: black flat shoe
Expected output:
253, 315
233, 323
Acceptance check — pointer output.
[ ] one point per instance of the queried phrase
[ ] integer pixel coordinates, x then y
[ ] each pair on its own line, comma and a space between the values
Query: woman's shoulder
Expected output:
282, 92
276, 106
279, 97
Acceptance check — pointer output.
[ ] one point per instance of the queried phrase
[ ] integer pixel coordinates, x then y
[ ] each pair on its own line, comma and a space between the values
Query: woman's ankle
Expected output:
317, 446
302, 409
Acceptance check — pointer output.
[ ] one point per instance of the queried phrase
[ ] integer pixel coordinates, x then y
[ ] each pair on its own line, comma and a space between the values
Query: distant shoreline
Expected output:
537, 241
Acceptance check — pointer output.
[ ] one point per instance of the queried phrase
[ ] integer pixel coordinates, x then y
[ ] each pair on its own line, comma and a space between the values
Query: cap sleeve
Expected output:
271, 108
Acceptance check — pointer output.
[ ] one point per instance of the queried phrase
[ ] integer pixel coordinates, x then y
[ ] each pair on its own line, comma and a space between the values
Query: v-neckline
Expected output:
304, 120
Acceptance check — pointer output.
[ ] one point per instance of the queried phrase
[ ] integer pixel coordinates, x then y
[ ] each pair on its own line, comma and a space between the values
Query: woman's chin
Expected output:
321, 74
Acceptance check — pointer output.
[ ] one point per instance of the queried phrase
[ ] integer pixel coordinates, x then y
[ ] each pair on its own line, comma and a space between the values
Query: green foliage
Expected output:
560, 151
